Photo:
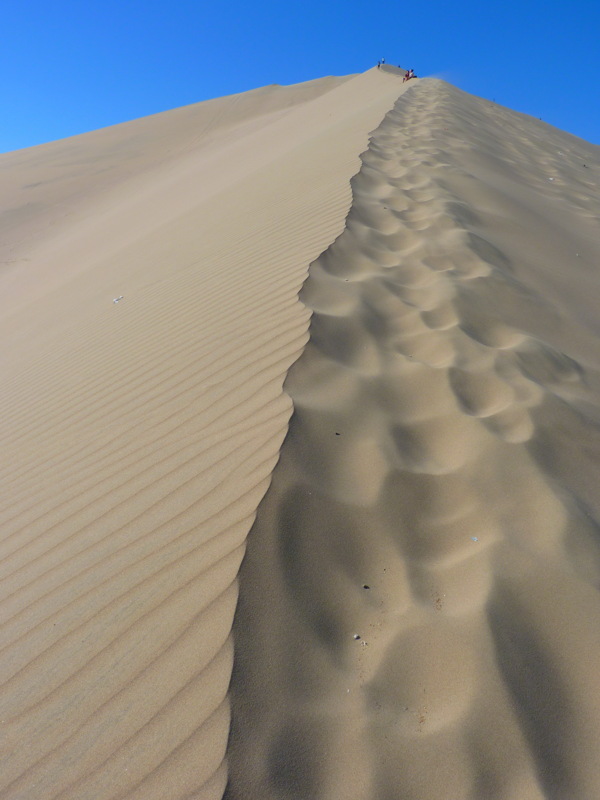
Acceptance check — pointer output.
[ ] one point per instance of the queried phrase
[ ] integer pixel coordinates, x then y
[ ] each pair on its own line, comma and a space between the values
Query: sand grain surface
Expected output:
424, 569
138, 436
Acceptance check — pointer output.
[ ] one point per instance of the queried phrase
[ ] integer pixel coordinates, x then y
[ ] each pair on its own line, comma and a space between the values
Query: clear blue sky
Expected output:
70, 66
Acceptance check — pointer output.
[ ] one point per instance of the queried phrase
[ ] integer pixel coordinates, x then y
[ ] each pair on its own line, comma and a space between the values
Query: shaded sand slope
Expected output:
138, 437
419, 612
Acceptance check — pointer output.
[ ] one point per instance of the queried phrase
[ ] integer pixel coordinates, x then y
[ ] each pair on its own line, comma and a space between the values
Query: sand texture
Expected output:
412, 610
138, 436
419, 614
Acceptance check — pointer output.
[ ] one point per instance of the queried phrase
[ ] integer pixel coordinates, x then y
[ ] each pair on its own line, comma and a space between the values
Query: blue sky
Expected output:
71, 66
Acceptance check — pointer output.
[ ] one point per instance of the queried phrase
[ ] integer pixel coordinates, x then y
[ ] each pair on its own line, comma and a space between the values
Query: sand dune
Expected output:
418, 609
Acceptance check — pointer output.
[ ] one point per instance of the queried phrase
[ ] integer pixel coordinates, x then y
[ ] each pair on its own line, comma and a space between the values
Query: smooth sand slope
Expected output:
419, 613
138, 437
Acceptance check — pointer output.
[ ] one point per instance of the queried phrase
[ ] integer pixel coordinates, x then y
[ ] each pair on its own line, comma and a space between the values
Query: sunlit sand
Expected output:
300, 425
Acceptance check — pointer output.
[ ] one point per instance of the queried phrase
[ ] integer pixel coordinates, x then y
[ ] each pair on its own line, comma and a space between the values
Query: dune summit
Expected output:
411, 611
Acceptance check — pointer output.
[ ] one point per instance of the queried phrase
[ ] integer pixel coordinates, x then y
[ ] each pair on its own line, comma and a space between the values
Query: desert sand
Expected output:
301, 447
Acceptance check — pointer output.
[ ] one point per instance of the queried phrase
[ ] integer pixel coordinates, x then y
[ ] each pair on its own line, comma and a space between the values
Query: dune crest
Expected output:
419, 606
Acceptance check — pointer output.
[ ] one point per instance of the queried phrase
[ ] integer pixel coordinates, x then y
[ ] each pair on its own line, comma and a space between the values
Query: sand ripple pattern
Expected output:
138, 436
419, 600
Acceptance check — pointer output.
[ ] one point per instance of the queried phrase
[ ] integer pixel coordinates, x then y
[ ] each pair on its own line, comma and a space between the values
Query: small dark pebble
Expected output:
366, 587
356, 636
337, 434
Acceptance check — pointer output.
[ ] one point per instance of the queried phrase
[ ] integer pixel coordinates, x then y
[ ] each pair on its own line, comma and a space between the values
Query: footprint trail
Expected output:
419, 566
